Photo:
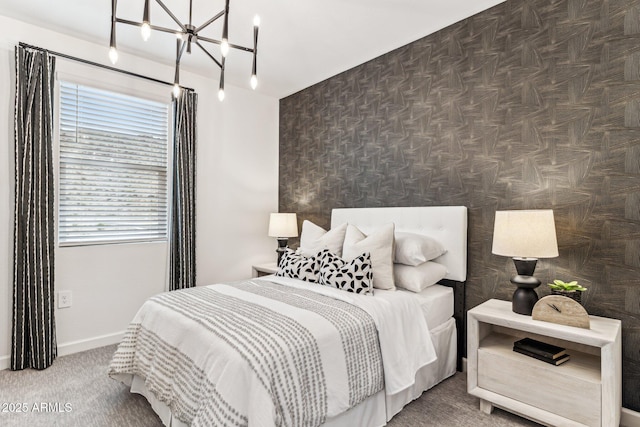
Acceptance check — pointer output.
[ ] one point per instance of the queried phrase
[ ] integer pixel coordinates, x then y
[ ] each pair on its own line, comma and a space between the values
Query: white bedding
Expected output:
376, 410
436, 303
399, 322
181, 336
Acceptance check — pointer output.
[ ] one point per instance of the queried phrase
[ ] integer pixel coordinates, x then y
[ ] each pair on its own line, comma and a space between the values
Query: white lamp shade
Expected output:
283, 225
525, 234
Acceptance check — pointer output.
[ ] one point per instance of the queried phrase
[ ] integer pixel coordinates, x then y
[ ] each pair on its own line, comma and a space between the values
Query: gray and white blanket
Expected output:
258, 352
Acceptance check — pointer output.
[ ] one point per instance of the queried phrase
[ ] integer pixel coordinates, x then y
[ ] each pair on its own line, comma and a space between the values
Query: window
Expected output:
113, 167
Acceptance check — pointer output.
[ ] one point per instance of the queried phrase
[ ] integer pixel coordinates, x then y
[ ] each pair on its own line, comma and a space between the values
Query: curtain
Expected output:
182, 257
33, 335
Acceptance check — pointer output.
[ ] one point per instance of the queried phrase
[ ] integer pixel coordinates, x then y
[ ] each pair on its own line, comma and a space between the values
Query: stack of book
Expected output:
541, 350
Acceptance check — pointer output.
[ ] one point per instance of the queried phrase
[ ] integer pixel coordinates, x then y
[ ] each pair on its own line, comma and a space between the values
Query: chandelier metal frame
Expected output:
188, 35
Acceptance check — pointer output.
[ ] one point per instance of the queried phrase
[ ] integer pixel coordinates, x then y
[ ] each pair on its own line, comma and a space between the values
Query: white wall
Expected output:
237, 188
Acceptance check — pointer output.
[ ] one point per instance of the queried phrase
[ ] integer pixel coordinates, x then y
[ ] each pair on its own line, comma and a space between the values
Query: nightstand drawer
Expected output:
568, 390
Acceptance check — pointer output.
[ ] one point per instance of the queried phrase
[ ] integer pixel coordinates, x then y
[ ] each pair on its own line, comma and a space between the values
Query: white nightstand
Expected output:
264, 269
585, 391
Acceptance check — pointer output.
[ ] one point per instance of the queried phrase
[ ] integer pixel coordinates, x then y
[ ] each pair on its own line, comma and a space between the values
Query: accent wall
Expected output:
532, 104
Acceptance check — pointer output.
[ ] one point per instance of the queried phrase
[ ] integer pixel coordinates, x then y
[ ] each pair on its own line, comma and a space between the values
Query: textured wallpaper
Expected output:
532, 104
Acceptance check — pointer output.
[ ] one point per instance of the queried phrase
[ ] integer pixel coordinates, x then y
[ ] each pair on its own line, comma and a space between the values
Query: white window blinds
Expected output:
113, 167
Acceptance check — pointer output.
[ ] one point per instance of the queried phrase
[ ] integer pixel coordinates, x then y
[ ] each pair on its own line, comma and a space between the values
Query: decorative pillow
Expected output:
414, 249
314, 238
298, 266
380, 245
418, 278
353, 276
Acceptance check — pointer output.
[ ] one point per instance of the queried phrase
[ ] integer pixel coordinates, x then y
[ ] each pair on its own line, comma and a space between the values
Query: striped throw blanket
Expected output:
252, 353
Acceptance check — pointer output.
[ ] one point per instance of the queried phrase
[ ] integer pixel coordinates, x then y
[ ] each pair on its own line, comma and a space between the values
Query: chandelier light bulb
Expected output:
224, 47
145, 30
176, 90
113, 55
256, 21
221, 95
254, 82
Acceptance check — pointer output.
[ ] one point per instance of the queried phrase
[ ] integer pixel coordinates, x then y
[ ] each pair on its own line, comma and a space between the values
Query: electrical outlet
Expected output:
64, 299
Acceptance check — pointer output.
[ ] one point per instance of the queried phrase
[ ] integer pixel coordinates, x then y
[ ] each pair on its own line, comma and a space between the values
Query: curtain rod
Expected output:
96, 64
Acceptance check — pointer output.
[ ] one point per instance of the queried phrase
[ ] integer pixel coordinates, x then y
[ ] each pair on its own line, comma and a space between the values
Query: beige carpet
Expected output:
76, 391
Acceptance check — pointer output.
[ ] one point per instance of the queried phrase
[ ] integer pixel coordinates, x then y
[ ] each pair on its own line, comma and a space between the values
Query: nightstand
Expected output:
585, 391
264, 269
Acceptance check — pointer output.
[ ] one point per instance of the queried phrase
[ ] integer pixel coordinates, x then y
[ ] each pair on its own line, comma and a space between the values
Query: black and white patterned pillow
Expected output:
298, 266
353, 276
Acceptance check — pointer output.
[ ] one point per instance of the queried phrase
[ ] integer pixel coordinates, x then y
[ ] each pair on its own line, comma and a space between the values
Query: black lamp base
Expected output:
524, 298
282, 247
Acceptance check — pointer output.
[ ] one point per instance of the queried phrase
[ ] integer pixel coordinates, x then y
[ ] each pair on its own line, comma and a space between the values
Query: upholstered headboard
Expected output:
447, 224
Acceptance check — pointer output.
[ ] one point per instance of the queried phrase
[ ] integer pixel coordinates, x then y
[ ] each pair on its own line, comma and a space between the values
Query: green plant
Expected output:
564, 286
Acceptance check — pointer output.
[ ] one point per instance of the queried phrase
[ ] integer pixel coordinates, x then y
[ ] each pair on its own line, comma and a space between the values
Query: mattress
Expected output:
437, 304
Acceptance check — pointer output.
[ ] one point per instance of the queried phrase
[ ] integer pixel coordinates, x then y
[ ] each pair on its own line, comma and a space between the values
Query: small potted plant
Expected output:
568, 289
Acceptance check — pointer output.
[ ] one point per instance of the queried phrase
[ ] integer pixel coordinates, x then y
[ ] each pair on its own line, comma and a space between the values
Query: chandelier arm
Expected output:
210, 21
166, 9
222, 78
183, 44
114, 5
176, 79
153, 27
112, 39
225, 25
255, 39
145, 14
235, 46
254, 65
208, 54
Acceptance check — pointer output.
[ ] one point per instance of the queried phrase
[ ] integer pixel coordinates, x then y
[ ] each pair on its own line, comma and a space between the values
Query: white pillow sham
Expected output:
418, 278
380, 245
314, 239
414, 249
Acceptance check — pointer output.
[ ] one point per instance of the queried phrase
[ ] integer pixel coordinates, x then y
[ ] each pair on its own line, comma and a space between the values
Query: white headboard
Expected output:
446, 224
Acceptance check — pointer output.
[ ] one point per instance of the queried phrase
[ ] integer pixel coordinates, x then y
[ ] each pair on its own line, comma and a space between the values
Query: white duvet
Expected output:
402, 329
268, 352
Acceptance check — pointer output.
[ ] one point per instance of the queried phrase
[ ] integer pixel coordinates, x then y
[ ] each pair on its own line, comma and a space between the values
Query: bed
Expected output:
274, 373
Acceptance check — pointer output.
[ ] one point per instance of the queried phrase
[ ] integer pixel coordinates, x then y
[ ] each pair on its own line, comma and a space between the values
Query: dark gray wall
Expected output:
531, 104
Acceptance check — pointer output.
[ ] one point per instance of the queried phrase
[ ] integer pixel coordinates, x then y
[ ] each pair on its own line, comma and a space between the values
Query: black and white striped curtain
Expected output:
182, 258
34, 337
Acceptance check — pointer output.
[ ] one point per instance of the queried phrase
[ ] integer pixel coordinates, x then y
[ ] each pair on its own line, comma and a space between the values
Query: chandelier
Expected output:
186, 36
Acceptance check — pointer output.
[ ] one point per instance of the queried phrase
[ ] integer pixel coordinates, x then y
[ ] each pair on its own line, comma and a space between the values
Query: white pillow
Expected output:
418, 278
380, 245
314, 239
414, 249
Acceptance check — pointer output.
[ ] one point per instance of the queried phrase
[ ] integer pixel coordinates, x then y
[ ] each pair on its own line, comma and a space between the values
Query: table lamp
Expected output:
525, 235
282, 226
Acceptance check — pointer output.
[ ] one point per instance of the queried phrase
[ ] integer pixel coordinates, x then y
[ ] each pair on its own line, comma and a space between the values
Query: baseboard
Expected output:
75, 346
5, 362
90, 343
629, 418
